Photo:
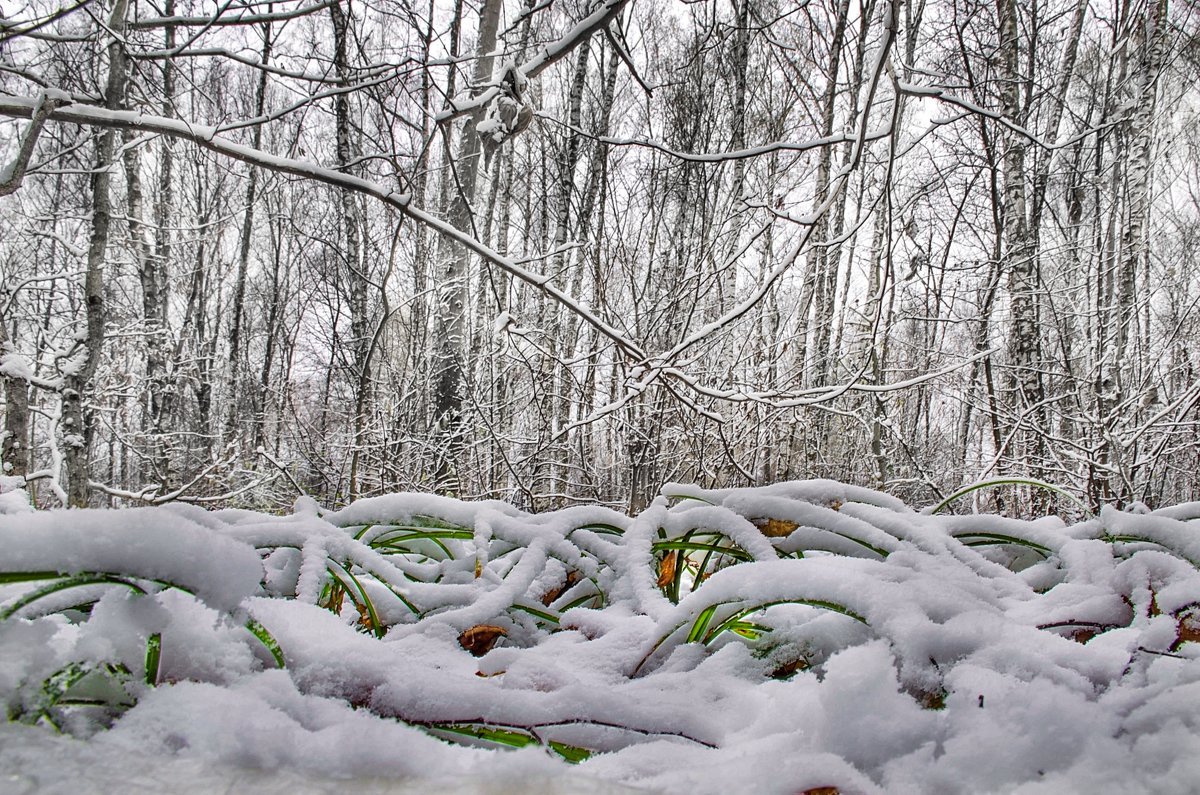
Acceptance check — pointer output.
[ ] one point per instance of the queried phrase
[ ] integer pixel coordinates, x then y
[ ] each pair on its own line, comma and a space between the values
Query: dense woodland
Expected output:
568, 250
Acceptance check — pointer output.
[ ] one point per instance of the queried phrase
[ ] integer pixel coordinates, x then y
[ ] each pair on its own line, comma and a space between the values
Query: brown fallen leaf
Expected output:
790, 668
333, 601
480, 638
1188, 627
666, 569
364, 618
572, 578
934, 700
776, 528
822, 791
1084, 634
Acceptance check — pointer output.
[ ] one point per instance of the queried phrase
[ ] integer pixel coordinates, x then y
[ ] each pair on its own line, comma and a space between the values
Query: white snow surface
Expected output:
773, 640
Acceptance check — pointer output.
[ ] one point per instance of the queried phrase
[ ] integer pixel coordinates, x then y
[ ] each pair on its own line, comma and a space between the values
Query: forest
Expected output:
563, 251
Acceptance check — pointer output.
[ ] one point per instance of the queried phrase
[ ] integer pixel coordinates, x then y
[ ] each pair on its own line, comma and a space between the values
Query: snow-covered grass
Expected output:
801, 636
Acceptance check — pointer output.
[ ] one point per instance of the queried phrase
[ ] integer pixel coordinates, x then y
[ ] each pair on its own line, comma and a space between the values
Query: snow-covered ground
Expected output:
802, 636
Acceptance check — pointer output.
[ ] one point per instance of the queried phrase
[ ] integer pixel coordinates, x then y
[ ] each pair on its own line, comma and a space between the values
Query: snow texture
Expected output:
771, 640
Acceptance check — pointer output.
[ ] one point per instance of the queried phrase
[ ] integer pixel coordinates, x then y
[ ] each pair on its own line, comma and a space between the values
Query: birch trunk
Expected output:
451, 338
77, 381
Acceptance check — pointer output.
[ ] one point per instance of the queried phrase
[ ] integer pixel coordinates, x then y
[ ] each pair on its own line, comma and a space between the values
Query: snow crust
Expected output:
772, 640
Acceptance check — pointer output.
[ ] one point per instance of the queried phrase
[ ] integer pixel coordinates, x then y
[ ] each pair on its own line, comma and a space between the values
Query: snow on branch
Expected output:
242, 16
13, 174
553, 52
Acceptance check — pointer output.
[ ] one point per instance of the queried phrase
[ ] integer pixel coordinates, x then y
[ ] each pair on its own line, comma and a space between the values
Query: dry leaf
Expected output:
1188, 628
932, 700
364, 617
666, 569
572, 578
822, 791
776, 528
790, 668
478, 568
480, 638
835, 504
1084, 634
337, 595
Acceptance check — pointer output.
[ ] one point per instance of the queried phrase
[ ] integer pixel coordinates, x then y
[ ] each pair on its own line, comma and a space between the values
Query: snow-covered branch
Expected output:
13, 174
209, 138
237, 15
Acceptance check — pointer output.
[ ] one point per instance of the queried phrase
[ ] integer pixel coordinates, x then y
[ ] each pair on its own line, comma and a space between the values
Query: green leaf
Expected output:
682, 497
600, 527
509, 737
153, 655
362, 599
987, 484
1132, 539
13, 577
513, 738
570, 753
544, 615
64, 583
736, 618
701, 624
993, 539
267, 639
53, 689
699, 546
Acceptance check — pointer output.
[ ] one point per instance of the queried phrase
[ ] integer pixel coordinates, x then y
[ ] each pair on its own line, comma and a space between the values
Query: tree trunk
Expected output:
77, 381
237, 311
1019, 257
451, 338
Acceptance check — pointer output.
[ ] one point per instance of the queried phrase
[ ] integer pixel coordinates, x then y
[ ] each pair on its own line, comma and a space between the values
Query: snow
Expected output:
13, 365
774, 640
13, 496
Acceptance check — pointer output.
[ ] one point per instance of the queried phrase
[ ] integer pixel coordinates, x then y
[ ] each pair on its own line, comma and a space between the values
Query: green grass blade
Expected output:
544, 615
53, 688
153, 656
682, 497
701, 624
362, 600
509, 737
582, 600
13, 577
1133, 539
267, 639
570, 753
987, 484
513, 738
65, 583
699, 546
361, 531
973, 539
737, 618
600, 527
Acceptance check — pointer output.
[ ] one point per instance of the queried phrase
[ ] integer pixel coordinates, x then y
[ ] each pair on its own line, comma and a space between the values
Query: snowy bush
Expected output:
792, 637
